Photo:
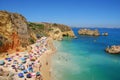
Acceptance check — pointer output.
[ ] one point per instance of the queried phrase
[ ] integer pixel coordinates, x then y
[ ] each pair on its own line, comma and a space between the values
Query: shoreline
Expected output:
44, 59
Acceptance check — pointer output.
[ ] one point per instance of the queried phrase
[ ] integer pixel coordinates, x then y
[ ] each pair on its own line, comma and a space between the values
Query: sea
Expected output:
85, 58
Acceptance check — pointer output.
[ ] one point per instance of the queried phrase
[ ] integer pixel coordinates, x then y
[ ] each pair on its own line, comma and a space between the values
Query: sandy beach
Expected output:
38, 57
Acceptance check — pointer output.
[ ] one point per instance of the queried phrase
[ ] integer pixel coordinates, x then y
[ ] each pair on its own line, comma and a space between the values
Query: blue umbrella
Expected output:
2, 62
20, 75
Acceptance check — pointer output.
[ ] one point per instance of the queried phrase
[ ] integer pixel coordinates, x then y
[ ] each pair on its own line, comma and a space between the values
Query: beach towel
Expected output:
33, 74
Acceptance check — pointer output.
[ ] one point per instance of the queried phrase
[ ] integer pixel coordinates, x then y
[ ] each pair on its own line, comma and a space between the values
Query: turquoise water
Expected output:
85, 59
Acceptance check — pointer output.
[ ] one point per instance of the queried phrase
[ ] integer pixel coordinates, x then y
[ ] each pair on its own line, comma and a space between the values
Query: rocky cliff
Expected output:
13, 31
88, 32
16, 32
56, 31
55, 34
113, 49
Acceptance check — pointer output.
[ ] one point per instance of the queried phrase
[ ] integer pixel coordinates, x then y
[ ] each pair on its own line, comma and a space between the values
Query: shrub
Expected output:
55, 24
50, 29
31, 41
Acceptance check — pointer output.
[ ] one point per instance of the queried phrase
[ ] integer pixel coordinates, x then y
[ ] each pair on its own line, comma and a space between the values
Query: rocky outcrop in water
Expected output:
113, 49
88, 32
13, 31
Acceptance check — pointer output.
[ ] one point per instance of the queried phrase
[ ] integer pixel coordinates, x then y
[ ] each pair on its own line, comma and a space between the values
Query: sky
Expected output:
75, 13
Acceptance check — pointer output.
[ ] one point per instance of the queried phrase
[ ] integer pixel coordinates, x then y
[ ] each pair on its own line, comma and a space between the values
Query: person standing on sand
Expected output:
15, 69
40, 65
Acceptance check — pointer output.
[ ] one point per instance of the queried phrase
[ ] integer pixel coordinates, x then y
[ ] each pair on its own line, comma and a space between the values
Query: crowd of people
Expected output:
26, 65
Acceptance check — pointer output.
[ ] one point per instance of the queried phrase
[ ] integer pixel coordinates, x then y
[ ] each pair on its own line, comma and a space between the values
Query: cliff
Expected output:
13, 31
113, 49
55, 31
16, 32
88, 32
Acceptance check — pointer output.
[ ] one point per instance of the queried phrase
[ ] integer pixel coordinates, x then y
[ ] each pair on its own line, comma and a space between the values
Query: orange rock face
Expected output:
13, 31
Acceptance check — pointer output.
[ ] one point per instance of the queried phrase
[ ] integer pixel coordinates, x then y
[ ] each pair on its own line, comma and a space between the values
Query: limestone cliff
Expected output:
56, 31
13, 31
16, 32
88, 32
55, 34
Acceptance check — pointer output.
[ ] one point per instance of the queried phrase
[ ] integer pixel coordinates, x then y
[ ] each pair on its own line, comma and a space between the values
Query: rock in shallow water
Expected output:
113, 49
89, 32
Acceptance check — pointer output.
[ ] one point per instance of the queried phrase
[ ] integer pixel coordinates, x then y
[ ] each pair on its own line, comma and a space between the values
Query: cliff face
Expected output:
88, 32
56, 31
13, 31
55, 34
16, 32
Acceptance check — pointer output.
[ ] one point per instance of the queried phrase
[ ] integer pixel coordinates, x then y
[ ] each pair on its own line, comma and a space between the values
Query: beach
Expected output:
36, 60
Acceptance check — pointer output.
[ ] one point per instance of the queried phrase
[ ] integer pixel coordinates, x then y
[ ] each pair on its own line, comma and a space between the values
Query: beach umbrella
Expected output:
2, 62
25, 71
15, 62
23, 58
20, 75
13, 66
33, 59
23, 61
26, 56
21, 67
37, 73
30, 69
28, 75
9, 59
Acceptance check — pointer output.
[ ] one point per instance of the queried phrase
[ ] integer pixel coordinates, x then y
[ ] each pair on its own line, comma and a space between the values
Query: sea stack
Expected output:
115, 49
89, 32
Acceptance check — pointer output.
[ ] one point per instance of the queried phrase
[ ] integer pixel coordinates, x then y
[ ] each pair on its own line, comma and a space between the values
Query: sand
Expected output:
43, 58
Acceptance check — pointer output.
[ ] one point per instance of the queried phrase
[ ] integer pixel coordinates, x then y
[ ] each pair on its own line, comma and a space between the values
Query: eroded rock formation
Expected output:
13, 31
55, 34
113, 49
88, 32
55, 31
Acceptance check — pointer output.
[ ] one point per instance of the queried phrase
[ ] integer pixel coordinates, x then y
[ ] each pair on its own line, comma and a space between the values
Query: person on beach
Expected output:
15, 69
40, 65
46, 62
